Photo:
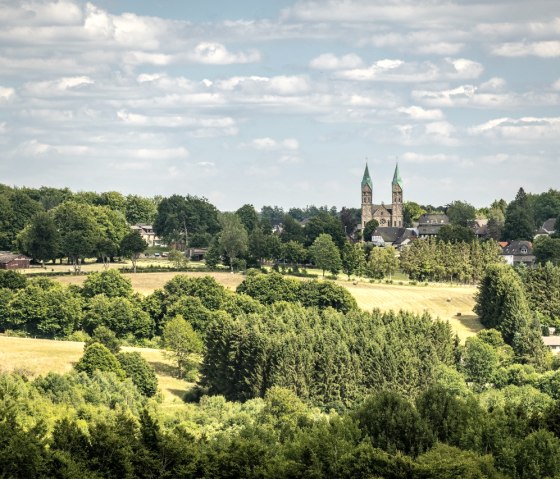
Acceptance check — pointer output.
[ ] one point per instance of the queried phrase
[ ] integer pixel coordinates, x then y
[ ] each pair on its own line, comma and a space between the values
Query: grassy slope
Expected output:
442, 301
36, 357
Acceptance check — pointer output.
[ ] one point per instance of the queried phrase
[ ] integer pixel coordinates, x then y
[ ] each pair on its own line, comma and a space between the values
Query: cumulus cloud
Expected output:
328, 61
6, 93
520, 129
411, 157
270, 144
57, 86
419, 113
217, 54
544, 49
401, 71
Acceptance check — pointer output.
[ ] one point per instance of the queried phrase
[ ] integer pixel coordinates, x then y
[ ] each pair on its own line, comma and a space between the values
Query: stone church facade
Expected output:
386, 215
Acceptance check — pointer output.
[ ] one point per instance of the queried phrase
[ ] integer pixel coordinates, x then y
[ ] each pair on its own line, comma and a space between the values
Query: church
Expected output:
386, 215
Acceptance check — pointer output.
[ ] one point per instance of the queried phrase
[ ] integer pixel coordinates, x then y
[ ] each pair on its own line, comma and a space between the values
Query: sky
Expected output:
282, 102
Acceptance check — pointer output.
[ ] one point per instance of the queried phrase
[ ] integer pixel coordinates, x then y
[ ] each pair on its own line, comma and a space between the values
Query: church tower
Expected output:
367, 191
397, 195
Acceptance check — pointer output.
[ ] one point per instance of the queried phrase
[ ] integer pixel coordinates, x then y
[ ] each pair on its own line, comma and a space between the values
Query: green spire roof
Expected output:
397, 177
366, 180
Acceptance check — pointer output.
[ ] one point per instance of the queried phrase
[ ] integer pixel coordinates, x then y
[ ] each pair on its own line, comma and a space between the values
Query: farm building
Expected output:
13, 260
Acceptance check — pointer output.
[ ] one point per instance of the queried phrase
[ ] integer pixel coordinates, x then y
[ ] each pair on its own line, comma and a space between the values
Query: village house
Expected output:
548, 228
396, 237
517, 252
429, 224
148, 235
13, 260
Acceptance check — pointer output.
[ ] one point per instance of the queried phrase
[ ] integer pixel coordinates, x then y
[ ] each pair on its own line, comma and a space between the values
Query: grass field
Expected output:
440, 300
36, 357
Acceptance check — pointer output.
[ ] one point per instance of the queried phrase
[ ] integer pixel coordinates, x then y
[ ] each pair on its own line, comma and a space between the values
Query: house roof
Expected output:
518, 248
395, 235
6, 257
549, 225
433, 218
428, 229
551, 340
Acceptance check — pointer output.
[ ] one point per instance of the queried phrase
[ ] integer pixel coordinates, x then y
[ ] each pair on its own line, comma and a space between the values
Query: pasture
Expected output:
36, 357
442, 301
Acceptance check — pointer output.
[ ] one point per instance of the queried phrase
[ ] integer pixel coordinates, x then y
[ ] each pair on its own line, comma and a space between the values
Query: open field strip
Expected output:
440, 300
36, 357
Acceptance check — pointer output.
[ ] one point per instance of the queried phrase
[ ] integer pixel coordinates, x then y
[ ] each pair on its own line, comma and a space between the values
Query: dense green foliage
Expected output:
272, 288
432, 260
328, 357
139, 370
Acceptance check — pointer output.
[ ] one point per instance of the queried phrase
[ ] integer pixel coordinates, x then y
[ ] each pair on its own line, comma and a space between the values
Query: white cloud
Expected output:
419, 113
211, 53
520, 129
401, 71
270, 144
556, 84
437, 132
6, 93
60, 85
544, 49
493, 84
411, 157
328, 61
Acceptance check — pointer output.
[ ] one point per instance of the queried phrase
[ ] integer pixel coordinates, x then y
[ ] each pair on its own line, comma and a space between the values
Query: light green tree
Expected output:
353, 259
325, 254
234, 240
181, 342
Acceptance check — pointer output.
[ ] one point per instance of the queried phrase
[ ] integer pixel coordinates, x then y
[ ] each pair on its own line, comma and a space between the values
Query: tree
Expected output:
353, 259
178, 217
479, 362
411, 213
248, 217
294, 252
381, 262
519, 223
111, 283
132, 245
325, 254
547, 249
140, 210
139, 370
52, 312
178, 258
234, 240
455, 233
324, 223
292, 230
119, 314
105, 336
78, 229
258, 246
461, 213
501, 301
213, 256
369, 229
181, 342
98, 358
350, 219
16, 210
41, 239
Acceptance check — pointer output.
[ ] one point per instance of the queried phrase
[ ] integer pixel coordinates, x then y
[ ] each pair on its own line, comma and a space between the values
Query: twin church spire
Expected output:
386, 215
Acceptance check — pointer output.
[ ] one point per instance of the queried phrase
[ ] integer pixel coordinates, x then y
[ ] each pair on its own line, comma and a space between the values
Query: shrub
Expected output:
141, 373
98, 358
12, 279
111, 283
102, 334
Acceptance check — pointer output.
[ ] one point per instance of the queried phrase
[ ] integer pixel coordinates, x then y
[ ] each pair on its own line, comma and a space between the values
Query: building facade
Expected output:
386, 215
